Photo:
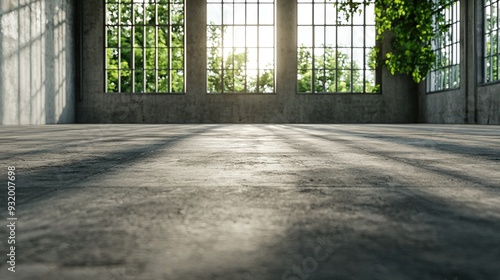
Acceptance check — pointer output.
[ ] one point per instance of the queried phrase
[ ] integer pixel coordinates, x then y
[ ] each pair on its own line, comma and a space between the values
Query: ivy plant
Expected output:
414, 25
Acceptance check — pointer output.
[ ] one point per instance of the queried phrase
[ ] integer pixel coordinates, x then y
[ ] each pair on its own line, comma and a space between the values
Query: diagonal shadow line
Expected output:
404, 256
452, 174
406, 251
415, 163
434, 211
57, 146
60, 177
483, 152
429, 247
446, 128
456, 133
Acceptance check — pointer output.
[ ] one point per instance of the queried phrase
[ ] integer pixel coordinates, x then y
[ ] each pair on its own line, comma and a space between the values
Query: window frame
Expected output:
366, 48
455, 64
144, 70
484, 48
258, 25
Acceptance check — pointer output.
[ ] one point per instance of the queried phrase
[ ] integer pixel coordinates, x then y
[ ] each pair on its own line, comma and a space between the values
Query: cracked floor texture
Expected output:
258, 202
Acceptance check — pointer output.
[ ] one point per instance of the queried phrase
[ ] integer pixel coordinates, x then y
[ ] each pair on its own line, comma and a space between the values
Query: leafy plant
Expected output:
414, 25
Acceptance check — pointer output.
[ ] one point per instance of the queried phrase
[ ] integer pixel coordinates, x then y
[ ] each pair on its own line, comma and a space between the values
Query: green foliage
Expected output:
152, 51
415, 24
229, 72
335, 73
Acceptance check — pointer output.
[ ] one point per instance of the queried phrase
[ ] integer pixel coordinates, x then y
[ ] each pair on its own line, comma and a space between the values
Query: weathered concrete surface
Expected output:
37, 66
488, 104
254, 201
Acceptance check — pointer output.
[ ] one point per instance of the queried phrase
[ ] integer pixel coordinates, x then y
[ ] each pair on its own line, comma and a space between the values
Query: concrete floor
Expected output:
254, 201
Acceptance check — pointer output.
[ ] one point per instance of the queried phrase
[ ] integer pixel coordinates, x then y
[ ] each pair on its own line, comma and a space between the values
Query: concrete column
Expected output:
196, 56
469, 63
286, 48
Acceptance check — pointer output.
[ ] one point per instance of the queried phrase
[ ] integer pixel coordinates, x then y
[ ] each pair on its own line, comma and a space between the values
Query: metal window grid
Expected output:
144, 43
254, 77
325, 19
445, 74
491, 35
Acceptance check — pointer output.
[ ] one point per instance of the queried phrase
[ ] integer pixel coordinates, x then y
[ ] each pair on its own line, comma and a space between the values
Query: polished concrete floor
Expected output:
253, 202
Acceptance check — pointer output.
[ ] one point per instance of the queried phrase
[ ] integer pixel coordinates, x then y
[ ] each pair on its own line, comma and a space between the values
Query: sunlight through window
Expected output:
335, 54
240, 46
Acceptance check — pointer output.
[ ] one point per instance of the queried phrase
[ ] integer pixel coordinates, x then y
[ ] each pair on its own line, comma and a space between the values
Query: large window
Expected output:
145, 46
491, 46
335, 52
240, 46
445, 74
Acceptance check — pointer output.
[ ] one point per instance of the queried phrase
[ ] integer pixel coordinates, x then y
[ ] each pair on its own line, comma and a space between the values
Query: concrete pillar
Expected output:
195, 49
286, 54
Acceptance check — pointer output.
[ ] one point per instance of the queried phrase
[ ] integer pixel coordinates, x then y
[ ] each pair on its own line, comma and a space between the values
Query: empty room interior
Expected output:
250, 139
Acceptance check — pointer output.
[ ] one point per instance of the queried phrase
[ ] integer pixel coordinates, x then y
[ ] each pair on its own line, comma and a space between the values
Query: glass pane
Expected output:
214, 58
266, 36
304, 36
214, 81
239, 14
266, 81
266, 14
319, 36
251, 36
150, 36
177, 58
252, 54
214, 14
344, 36
227, 14
304, 13
177, 36
266, 58
305, 59
177, 14
112, 81
112, 37
252, 13
319, 14
163, 80
163, 15
178, 81
163, 58
150, 81
239, 36
126, 58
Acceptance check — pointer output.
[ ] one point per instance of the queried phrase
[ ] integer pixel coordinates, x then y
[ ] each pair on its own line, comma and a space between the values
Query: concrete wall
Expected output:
473, 102
36, 62
397, 103
488, 104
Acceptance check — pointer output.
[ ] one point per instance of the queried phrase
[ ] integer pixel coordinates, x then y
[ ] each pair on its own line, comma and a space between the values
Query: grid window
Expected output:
240, 46
145, 46
445, 73
335, 53
491, 46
